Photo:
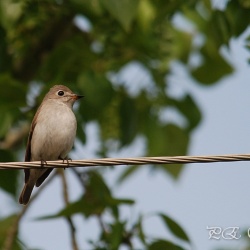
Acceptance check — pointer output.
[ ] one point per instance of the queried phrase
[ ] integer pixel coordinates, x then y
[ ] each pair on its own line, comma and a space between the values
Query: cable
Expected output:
127, 161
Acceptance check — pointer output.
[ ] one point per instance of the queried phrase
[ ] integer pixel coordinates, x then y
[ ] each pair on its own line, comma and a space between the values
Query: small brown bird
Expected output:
51, 135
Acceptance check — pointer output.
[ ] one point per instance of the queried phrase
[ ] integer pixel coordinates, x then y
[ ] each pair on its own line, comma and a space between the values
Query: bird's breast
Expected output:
54, 133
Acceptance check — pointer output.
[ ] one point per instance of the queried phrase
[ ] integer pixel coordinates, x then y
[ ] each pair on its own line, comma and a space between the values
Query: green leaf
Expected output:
118, 230
89, 207
127, 173
12, 98
92, 8
213, 68
167, 140
189, 109
113, 239
5, 225
174, 227
123, 11
182, 44
5, 121
220, 28
128, 120
141, 233
96, 199
164, 244
13, 93
80, 130
238, 20
8, 178
8, 181
147, 14
5, 57
98, 94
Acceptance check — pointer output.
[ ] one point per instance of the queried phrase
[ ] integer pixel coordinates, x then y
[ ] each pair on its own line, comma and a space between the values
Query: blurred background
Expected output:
160, 78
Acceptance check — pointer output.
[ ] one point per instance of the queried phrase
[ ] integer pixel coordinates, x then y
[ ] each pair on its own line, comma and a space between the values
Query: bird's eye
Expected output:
60, 93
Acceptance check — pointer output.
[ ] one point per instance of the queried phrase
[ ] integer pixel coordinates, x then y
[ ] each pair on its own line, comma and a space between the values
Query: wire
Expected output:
127, 161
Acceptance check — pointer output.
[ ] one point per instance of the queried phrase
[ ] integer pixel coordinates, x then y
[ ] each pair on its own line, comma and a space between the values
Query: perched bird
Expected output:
51, 136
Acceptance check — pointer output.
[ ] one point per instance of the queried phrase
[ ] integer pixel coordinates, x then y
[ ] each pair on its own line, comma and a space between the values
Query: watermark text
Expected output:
228, 233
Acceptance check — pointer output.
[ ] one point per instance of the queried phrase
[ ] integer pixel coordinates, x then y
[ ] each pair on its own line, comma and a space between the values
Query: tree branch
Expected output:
68, 218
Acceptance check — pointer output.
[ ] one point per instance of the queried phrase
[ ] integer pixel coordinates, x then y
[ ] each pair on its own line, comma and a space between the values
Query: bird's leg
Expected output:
67, 159
43, 162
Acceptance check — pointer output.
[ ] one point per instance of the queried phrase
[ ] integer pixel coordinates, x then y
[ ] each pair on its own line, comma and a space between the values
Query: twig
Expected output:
102, 225
79, 177
68, 218
81, 180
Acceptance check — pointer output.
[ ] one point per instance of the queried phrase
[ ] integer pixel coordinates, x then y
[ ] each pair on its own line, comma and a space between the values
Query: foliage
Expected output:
86, 45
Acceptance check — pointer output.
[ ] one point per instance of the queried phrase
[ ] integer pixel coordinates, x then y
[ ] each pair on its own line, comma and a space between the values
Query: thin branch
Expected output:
79, 176
102, 225
12, 232
68, 218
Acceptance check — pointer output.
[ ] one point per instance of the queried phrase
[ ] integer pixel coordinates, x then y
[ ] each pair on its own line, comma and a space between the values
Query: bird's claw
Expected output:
43, 162
67, 160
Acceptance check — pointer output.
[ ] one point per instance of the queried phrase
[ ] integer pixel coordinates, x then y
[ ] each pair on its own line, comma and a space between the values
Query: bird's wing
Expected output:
28, 147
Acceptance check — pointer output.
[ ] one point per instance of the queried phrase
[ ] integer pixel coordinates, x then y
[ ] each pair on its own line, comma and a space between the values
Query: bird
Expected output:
51, 136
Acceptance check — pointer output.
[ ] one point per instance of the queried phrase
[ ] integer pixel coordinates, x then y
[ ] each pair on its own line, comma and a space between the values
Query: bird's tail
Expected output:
26, 193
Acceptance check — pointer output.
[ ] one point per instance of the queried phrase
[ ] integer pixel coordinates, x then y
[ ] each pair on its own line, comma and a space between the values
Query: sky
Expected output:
214, 194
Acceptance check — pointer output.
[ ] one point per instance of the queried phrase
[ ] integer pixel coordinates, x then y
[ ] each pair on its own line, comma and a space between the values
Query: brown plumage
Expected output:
51, 136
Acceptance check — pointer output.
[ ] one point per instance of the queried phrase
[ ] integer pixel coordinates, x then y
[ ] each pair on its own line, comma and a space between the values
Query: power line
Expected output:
127, 161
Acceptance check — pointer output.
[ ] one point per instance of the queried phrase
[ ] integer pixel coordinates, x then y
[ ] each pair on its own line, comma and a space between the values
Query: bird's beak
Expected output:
76, 97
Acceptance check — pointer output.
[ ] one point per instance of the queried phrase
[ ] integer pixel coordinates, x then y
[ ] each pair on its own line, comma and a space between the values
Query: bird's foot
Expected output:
65, 159
43, 162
